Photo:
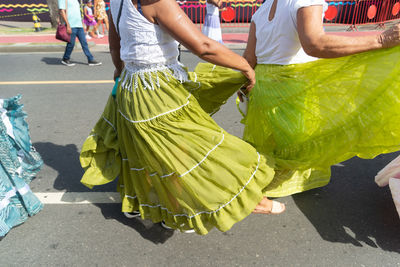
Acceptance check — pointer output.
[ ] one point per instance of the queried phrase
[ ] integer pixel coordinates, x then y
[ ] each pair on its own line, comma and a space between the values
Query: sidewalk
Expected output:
21, 37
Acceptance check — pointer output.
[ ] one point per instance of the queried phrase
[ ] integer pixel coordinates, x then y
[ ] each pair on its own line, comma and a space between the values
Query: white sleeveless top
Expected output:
143, 44
277, 40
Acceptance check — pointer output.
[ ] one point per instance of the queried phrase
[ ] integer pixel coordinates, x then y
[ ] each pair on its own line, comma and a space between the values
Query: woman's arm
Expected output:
115, 46
170, 16
250, 52
317, 43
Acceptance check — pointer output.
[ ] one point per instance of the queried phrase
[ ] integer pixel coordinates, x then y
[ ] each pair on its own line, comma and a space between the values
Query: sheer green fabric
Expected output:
313, 115
173, 161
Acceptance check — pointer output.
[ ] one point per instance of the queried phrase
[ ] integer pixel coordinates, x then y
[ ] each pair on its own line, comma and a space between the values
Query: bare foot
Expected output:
267, 206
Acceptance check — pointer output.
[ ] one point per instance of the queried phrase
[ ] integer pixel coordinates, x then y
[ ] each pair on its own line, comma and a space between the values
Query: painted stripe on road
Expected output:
54, 82
79, 197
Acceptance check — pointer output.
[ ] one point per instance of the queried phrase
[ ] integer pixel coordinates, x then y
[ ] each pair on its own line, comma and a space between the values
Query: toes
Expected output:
277, 207
267, 206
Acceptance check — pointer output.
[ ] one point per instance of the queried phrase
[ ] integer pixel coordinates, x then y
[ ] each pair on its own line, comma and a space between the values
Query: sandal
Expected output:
132, 214
277, 208
189, 231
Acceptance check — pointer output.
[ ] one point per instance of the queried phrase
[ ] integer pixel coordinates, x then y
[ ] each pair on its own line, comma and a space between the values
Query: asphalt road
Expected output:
350, 222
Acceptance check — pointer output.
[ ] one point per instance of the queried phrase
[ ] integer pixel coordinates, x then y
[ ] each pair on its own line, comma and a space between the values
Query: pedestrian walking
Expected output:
19, 163
175, 164
71, 14
90, 21
309, 113
212, 25
101, 15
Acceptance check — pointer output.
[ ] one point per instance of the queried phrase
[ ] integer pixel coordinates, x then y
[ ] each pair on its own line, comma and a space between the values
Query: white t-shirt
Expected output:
73, 12
277, 40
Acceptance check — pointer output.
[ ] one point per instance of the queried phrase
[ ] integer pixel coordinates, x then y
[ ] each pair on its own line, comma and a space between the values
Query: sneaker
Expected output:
132, 214
88, 37
169, 228
100, 36
66, 62
94, 63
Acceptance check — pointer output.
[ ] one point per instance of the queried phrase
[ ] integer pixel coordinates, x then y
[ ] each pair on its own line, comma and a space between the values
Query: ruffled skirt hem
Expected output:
173, 161
19, 163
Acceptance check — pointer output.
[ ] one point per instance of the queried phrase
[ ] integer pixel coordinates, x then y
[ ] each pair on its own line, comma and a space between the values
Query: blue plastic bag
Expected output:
114, 90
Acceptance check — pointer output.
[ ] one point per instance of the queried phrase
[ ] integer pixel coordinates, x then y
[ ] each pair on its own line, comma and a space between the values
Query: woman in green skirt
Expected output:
174, 163
310, 113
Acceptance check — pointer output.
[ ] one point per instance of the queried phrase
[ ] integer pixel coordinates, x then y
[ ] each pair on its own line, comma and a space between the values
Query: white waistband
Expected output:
133, 72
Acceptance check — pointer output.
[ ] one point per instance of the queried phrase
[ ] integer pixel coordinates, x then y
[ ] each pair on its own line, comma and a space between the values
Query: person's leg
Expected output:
103, 26
70, 45
82, 39
96, 30
88, 32
106, 22
101, 22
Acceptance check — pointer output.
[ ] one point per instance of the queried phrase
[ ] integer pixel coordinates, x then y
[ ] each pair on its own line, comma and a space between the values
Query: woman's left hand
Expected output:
241, 95
251, 76
244, 91
117, 73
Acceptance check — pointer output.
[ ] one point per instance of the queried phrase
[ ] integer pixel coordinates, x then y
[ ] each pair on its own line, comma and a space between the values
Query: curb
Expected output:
41, 47
231, 46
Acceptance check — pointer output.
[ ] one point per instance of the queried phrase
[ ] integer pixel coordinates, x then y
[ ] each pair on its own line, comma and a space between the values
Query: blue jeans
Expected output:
80, 33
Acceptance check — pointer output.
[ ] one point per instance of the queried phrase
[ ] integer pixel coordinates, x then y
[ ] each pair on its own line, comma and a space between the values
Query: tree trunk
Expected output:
53, 9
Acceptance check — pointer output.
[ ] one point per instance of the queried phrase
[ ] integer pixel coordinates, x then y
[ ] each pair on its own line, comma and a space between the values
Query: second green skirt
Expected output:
313, 115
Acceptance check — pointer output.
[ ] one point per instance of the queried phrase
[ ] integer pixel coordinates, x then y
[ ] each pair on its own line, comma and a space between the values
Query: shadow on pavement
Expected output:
57, 61
65, 160
352, 208
153, 232
52, 60
8, 26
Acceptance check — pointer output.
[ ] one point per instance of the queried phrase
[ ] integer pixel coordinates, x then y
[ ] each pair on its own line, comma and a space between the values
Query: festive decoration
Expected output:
396, 9
331, 13
228, 14
371, 12
23, 10
352, 13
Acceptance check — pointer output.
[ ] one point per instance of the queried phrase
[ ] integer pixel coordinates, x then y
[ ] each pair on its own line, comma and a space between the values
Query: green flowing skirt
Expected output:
173, 161
313, 115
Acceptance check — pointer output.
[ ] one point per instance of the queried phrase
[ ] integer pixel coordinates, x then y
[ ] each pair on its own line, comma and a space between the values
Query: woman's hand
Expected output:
251, 76
390, 37
241, 95
117, 73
